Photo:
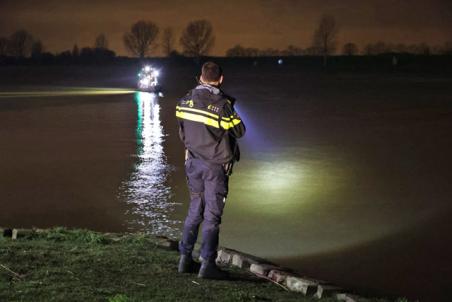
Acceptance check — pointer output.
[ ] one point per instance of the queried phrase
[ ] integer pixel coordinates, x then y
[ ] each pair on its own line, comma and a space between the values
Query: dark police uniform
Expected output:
209, 128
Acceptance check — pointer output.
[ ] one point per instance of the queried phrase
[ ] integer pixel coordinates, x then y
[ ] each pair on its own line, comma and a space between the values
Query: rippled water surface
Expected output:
344, 177
147, 189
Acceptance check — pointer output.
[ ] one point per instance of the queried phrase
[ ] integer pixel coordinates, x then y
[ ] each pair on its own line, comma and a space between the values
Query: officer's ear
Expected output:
220, 81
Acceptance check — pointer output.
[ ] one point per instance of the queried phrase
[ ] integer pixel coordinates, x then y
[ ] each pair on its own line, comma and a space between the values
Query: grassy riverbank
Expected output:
78, 265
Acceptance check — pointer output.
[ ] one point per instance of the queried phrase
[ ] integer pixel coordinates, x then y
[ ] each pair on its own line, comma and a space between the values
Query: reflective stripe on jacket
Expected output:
209, 126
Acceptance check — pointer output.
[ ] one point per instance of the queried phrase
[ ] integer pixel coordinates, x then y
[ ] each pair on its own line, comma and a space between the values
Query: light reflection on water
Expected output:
146, 191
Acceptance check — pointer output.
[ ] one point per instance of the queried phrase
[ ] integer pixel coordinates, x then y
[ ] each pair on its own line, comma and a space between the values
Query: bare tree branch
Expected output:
140, 41
197, 39
101, 42
350, 49
19, 44
324, 41
3, 46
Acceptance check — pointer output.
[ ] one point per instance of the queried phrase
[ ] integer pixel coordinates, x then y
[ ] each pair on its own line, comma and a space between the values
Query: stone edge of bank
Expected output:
284, 277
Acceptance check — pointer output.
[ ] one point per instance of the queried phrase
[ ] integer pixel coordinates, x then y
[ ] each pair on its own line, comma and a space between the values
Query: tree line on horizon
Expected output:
197, 40
141, 41
348, 49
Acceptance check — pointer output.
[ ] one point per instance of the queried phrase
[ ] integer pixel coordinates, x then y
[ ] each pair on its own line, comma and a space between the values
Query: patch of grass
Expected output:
79, 265
62, 234
119, 298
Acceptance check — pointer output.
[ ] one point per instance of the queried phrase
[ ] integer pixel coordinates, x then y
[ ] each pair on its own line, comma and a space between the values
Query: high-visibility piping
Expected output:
204, 112
198, 118
196, 110
226, 125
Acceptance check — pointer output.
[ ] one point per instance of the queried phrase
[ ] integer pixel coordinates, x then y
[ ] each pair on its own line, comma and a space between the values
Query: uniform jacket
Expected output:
209, 126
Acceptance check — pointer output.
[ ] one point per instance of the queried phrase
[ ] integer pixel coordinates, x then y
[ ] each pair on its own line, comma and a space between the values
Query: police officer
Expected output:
209, 128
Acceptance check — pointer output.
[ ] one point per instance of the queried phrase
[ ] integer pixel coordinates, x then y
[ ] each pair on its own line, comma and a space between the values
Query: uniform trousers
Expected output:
208, 186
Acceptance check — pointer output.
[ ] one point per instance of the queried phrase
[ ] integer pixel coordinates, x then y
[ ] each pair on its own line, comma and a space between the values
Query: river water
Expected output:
343, 177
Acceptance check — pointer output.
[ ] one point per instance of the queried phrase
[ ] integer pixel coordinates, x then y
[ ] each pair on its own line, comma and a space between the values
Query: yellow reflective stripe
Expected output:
204, 112
196, 110
197, 118
228, 118
229, 125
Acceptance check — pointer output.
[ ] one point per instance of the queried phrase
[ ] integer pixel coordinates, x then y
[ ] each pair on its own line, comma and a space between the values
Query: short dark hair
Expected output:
211, 72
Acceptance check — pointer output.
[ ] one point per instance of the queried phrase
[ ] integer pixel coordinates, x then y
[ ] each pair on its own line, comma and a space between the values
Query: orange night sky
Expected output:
252, 23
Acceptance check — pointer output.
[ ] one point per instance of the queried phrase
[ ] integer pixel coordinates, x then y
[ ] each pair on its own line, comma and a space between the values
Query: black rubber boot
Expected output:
209, 270
185, 264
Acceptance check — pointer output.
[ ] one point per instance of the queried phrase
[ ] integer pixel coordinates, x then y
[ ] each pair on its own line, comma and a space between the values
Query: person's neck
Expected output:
213, 84
213, 89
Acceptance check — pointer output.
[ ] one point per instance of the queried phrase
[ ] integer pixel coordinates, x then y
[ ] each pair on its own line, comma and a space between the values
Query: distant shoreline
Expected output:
406, 63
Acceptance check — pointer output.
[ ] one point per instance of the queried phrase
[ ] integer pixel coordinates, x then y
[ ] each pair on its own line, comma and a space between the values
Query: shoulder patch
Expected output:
188, 103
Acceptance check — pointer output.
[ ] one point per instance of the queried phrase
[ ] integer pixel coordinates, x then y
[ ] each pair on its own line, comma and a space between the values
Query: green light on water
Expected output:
139, 130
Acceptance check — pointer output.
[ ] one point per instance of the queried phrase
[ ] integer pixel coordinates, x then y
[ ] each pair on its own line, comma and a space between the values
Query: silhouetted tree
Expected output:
141, 38
378, 48
103, 54
292, 50
447, 48
19, 44
350, 49
401, 48
47, 58
311, 51
270, 52
64, 56
251, 52
87, 52
240, 51
37, 49
75, 51
101, 42
423, 49
325, 37
236, 51
197, 39
168, 41
3, 46
369, 50
96, 55
175, 53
